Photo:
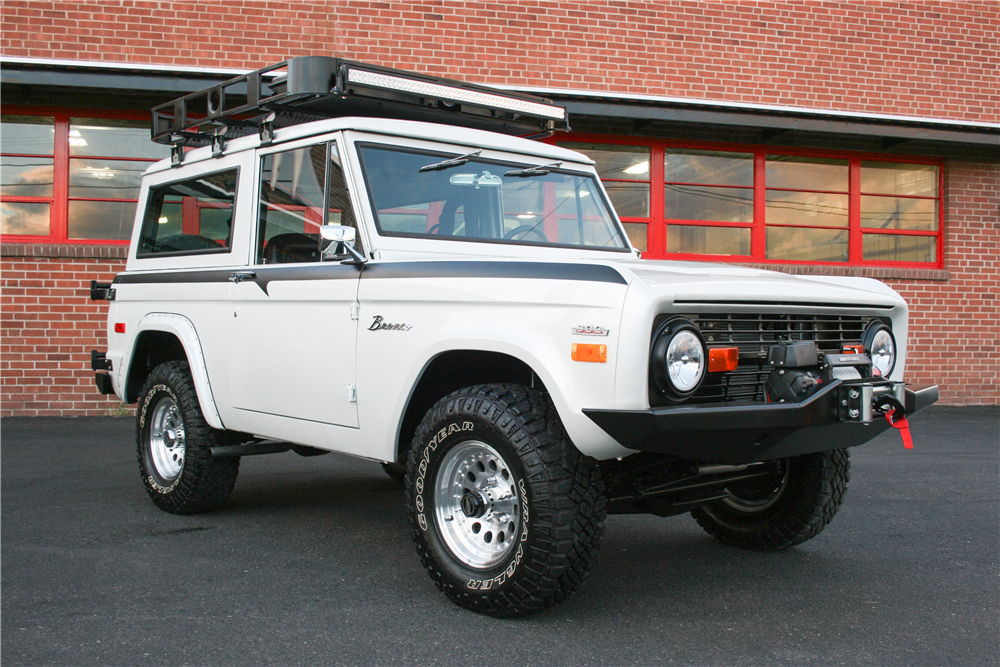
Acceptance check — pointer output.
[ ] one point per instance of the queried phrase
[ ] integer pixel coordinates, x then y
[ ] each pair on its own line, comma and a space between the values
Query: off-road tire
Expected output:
191, 481
800, 506
560, 518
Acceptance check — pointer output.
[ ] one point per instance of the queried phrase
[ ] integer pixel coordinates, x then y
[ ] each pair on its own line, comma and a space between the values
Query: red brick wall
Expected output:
916, 58
48, 326
955, 326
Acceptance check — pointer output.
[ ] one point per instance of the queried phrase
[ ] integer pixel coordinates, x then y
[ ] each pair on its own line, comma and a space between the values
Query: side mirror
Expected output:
336, 241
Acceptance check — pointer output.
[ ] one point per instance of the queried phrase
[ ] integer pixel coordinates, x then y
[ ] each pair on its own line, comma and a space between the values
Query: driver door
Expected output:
294, 321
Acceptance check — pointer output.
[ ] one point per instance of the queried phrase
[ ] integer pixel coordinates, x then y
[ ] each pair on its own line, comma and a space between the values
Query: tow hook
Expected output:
895, 414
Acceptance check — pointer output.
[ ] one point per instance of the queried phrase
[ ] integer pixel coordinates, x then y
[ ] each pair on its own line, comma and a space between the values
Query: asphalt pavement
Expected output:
311, 563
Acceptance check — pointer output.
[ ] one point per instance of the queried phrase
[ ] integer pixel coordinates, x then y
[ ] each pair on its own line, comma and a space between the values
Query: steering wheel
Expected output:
524, 230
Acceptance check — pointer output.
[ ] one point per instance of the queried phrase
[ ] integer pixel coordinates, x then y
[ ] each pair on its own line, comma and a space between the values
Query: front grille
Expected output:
753, 334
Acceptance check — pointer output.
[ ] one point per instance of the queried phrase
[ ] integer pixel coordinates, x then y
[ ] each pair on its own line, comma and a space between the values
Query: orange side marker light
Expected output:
721, 359
590, 352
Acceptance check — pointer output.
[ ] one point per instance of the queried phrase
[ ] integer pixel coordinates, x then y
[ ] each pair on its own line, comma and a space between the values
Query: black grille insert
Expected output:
753, 334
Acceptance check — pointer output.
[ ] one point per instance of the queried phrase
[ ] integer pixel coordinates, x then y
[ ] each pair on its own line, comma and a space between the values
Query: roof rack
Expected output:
313, 87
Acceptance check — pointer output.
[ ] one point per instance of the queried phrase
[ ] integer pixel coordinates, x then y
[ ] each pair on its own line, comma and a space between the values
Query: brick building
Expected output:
856, 139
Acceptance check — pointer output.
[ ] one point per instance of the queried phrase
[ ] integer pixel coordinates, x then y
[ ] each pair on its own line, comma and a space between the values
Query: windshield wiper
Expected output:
453, 162
540, 170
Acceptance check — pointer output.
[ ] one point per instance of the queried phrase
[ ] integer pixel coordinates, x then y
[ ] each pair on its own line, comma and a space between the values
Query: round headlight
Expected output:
881, 347
679, 360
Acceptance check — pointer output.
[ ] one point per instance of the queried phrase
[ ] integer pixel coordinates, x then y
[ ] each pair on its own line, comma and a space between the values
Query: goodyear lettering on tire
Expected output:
420, 482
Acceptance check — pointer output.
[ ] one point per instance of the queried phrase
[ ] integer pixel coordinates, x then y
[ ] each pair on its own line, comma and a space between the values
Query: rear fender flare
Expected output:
184, 330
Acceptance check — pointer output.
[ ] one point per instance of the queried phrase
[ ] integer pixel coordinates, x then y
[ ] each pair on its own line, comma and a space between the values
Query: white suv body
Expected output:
366, 347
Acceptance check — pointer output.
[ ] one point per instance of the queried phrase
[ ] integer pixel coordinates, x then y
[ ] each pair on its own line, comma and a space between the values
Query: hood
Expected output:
698, 281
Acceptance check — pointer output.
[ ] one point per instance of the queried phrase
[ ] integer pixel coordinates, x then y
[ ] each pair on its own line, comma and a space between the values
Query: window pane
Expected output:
24, 218
712, 167
105, 179
637, 234
101, 220
615, 161
113, 138
894, 178
806, 208
894, 248
691, 202
899, 213
708, 240
292, 184
339, 208
806, 173
26, 176
188, 217
479, 202
33, 135
631, 200
808, 245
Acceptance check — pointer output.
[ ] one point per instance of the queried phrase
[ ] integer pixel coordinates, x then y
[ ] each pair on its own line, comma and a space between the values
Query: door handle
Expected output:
239, 276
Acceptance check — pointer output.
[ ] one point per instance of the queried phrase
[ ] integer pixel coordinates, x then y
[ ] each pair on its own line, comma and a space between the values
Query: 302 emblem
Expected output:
590, 330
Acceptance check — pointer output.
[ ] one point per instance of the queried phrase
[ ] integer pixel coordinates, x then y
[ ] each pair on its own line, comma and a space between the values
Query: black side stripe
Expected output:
599, 273
387, 270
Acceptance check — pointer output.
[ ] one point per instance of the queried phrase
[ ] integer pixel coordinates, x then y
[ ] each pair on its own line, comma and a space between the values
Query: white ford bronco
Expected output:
346, 258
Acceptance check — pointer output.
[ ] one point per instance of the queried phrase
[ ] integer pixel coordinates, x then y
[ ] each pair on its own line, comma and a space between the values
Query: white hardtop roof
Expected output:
449, 134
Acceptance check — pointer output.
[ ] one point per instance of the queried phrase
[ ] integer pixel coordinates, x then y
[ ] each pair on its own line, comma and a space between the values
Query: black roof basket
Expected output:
309, 88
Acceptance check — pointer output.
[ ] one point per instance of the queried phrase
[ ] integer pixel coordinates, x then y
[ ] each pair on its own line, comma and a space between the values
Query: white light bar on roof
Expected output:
457, 94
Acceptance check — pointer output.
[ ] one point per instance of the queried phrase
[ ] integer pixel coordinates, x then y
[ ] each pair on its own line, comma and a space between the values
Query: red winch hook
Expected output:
895, 414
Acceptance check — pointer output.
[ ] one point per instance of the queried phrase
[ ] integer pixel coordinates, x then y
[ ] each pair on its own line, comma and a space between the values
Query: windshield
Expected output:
467, 198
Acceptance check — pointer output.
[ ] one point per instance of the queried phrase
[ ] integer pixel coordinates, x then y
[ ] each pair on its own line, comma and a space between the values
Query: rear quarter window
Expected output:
190, 217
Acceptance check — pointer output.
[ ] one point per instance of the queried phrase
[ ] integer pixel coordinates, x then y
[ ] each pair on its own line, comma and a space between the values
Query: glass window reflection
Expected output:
101, 220
27, 135
615, 161
26, 176
806, 173
24, 218
898, 248
806, 244
706, 240
113, 138
105, 179
897, 178
710, 167
899, 213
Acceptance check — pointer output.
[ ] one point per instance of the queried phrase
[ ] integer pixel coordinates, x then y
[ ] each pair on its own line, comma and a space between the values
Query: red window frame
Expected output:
60, 199
658, 224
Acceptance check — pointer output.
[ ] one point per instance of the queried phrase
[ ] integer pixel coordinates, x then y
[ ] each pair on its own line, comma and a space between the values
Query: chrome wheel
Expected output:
761, 494
477, 508
167, 440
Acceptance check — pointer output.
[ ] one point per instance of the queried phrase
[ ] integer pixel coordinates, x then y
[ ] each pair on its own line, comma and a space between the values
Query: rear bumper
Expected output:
745, 434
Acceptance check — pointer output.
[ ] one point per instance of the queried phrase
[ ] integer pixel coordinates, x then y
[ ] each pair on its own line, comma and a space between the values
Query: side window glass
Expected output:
292, 184
193, 216
339, 211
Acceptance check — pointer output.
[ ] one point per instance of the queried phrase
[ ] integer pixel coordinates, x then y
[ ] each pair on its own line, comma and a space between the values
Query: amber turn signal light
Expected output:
722, 359
590, 352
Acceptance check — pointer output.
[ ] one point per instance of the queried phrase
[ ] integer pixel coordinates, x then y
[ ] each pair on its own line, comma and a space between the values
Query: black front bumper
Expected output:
746, 434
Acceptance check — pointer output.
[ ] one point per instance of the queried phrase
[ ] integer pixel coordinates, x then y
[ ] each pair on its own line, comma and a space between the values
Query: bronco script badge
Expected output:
379, 325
